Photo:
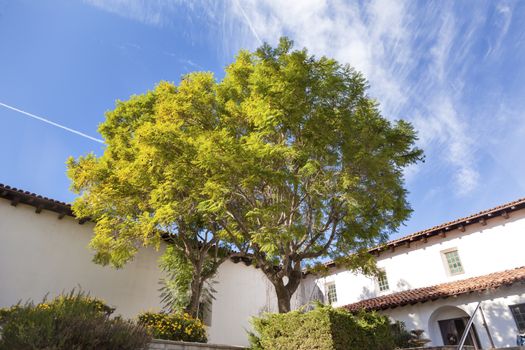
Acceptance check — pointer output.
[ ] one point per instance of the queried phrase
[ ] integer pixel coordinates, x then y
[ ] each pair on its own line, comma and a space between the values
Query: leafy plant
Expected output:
323, 328
401, 335
177, 326
72, 321
175, 291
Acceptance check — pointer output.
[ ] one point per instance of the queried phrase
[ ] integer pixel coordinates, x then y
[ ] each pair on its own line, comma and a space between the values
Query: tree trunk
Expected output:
284, 292
196, 291
283, 298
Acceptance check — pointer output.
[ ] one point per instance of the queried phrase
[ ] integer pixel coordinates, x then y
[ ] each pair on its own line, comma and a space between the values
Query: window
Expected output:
518, 311
331, 293
382, 281
452, 261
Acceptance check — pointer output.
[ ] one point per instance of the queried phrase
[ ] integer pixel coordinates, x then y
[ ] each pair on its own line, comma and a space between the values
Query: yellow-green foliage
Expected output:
177, 326
323, 328
286, 157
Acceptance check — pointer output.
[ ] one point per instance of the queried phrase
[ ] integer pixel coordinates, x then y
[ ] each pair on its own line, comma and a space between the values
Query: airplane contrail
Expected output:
52, 123
249, 22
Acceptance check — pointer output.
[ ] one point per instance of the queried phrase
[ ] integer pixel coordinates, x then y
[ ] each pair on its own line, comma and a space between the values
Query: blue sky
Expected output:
455, 69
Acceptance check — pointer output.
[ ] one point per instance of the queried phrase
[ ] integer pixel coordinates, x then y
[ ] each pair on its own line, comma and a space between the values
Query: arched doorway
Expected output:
447, 324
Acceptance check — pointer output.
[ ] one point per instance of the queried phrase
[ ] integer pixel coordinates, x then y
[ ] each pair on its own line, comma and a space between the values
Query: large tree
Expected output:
303, 166
144, 189
286, 160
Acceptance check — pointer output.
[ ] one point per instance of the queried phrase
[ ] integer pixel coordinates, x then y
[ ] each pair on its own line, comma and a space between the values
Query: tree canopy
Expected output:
145, 187
304, 166
286, 160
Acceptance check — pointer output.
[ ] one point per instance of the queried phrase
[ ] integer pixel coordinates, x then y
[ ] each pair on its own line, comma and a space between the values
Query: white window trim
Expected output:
327, 286
378, 287
445, 262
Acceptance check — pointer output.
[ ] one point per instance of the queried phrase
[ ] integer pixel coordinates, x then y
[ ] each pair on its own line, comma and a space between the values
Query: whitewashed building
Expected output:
433, 279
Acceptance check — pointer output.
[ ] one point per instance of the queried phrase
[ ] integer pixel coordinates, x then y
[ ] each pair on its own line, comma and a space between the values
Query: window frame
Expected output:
328, 292
522, 315
447, 264
382, 277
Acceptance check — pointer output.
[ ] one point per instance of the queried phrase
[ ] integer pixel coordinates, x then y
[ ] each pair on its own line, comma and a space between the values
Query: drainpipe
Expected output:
467, 328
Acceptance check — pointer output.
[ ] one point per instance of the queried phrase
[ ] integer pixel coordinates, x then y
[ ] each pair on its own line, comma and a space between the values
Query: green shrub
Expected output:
323, 328
73, 321
401, 335
176, 326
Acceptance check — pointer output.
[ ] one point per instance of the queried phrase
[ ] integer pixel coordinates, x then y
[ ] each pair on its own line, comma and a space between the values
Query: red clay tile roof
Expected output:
442, 229
17, 196
445, 290
468, 220
39, 202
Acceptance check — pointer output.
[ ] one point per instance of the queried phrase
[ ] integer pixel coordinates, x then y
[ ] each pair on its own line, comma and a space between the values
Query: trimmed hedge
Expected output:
176, 326
323, 328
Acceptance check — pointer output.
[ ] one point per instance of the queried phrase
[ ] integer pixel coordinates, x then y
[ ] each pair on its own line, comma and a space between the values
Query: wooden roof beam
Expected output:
15, 200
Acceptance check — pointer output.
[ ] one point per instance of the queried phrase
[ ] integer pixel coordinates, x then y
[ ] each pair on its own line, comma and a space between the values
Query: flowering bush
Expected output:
177, 326
72, 321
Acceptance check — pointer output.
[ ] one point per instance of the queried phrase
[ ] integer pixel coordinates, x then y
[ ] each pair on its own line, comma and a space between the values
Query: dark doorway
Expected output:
452, 330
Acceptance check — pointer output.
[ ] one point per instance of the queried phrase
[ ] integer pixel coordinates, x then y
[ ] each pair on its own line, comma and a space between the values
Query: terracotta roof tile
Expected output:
16, 196
445, 290
442, 229
488, 213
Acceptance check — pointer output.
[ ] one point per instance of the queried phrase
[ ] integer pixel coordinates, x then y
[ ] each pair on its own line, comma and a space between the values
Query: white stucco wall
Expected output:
40, 255
495, 247
495, 305
243, 292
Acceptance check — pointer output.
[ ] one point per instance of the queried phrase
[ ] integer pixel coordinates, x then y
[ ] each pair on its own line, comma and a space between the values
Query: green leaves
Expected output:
323, 328
286, 158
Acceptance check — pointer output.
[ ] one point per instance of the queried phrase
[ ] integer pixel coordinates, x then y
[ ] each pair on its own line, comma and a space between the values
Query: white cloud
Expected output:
416, 55
148, 12
388, 42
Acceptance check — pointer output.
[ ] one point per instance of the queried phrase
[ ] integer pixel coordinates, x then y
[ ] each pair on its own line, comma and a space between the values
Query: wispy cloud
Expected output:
417, 56
407, 59
248, 21
149, 12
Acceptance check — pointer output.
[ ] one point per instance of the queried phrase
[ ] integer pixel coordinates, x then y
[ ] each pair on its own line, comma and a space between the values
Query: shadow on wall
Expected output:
367, 293
309, 293
415, 322
500, 322
269, 304
403, 285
